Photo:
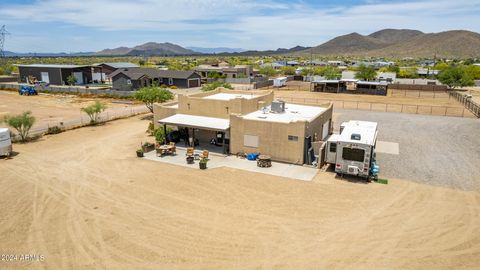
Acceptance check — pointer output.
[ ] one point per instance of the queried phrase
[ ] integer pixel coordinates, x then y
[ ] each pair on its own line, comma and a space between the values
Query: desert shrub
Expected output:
160, 135
22, 123
214, 85
54, 130
94, 110
173, 87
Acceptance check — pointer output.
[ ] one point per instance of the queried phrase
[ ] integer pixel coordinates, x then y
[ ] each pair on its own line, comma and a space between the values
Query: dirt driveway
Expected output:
50, 110
84, 201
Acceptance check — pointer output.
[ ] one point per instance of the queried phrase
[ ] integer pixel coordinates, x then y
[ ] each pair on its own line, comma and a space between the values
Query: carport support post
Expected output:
165, 132
224, 144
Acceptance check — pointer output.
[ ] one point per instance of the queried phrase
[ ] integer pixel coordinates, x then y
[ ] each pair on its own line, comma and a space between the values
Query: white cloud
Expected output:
250, 24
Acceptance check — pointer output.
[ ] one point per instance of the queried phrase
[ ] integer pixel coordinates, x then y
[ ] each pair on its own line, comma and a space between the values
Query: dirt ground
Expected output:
84, 201
51, 109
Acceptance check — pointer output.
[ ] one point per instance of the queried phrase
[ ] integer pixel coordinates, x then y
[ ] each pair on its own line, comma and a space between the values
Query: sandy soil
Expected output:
84, 201
50, 109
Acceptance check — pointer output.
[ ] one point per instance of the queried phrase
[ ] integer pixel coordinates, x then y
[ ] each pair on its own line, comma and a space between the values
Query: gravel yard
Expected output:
436, 150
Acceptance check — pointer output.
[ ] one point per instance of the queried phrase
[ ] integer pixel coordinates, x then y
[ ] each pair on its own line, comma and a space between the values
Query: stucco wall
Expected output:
316, 125
273, 138
198, 105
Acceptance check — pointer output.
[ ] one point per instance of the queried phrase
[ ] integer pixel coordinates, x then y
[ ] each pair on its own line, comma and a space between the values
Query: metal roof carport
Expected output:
197, 122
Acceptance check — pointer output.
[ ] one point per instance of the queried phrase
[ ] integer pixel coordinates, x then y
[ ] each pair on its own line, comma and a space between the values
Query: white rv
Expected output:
353, 150
5, 142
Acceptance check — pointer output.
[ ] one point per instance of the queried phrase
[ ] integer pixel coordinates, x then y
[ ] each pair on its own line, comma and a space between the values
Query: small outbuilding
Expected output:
54, 74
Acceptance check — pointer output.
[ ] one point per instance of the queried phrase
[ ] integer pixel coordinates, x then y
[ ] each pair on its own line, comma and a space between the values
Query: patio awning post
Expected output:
165, 132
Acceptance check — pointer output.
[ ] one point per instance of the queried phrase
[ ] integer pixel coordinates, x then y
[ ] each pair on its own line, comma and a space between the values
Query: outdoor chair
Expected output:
173, 149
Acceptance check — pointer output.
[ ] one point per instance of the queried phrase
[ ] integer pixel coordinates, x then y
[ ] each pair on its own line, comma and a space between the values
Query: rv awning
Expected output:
193, 121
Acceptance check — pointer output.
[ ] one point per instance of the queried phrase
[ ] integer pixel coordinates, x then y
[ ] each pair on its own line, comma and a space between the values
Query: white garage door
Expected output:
325, 129
45, 77
79, 77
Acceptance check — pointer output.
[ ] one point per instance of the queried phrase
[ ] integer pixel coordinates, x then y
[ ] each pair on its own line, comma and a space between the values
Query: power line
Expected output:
3, 33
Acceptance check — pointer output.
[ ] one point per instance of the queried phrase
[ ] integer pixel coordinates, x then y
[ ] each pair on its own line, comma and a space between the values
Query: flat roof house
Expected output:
248, 121
54, 74
129, 79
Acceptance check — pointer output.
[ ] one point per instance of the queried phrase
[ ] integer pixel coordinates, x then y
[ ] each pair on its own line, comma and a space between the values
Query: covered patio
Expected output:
202, 132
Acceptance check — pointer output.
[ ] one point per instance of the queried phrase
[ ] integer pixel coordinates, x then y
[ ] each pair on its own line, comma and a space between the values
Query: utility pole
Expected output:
3, 33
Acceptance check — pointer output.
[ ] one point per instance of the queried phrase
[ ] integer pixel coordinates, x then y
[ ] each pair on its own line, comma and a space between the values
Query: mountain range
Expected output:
383, 43
403, 43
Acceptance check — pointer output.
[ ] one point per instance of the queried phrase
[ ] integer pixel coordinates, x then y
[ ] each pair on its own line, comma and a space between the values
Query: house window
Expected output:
129, 82
293, 138
170, 81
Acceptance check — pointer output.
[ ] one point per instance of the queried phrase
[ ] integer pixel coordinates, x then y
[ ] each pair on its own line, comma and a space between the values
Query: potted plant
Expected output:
139, 152
147, 147
203, 163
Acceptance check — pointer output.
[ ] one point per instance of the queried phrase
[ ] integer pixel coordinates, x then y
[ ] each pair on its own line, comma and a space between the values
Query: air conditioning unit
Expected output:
278, 106
353, 170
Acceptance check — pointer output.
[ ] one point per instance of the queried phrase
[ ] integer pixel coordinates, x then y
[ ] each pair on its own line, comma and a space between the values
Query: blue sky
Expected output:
92, 25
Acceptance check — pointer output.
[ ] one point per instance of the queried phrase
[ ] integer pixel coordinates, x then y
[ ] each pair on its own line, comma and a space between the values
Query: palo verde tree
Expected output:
152, 94
22, 123
366, 73
94, 110
455, 76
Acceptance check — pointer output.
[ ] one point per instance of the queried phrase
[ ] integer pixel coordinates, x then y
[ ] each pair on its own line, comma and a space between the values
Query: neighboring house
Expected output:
348, 75
103, 70
273, 65
129, 79
54, 74
426, 72
314, 63
238, 71
247, 122
388, 77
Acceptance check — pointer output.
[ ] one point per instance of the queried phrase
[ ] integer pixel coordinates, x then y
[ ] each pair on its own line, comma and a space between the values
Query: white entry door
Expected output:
79, 77
325, 129
45, 77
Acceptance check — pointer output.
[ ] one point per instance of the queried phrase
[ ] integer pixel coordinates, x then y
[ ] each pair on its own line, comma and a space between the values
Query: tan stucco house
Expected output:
248, 121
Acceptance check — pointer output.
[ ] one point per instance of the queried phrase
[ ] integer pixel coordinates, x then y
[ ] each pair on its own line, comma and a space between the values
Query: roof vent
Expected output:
355, 136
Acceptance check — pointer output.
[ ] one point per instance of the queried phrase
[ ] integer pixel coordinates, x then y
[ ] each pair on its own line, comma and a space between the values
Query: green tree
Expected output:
150, 95
287, 70
331, 73
94, 110
214, 85
71, 80
455, 76
22, 123
440, 66
160, 135
408, 73
473, 71
267, 70
366, 73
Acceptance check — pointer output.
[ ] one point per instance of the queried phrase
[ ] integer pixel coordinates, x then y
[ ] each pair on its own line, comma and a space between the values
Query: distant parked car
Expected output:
27, 90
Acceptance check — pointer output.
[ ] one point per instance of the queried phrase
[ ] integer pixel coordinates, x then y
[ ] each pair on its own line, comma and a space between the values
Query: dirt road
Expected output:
82, 200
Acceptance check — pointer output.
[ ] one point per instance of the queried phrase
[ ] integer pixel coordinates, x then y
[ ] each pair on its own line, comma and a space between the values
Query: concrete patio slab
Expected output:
216, 161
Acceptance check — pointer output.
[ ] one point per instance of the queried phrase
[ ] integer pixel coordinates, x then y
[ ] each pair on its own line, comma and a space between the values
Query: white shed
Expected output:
280, 81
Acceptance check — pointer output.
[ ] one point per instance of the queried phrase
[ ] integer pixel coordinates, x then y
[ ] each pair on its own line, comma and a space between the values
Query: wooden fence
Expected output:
467, 102
386, 107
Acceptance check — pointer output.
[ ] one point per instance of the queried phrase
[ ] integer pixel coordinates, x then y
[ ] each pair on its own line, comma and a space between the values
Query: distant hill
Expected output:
449, 44
395, 35
215, 50
270, 52
403, 43
149, 49
349, 44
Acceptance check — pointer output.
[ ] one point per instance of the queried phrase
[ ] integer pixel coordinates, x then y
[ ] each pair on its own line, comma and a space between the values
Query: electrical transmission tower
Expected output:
3, 33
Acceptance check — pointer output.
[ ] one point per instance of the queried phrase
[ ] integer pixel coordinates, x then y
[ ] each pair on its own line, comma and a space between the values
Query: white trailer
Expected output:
353, 150
280, 81
5, 142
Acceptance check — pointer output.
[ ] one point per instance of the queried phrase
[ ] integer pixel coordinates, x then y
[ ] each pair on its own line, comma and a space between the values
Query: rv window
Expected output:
353, 154
333, 147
